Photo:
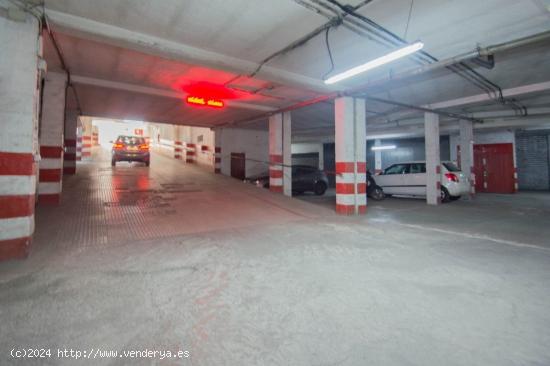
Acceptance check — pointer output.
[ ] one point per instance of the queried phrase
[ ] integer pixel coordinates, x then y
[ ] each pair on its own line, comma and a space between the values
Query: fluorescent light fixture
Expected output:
384, 147
390, 57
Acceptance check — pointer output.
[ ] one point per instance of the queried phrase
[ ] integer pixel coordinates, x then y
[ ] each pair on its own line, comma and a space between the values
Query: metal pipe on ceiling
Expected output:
505, 46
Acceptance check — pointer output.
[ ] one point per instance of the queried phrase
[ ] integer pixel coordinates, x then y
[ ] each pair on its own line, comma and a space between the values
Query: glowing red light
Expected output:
206, 102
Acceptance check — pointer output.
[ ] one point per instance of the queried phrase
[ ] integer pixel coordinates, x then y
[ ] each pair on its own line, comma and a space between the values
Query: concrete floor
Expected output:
175, 258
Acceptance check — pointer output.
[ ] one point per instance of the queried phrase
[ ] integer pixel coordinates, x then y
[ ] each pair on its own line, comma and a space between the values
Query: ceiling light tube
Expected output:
390, 57
384, 147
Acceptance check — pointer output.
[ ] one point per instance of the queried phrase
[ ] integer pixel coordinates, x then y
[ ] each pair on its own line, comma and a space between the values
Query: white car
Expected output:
409, 179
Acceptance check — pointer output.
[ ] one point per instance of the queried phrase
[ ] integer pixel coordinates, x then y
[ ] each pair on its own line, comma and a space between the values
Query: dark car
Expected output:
304, 179
130, 148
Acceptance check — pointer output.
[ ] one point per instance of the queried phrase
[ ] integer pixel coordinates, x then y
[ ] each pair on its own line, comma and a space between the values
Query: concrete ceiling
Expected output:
150, 49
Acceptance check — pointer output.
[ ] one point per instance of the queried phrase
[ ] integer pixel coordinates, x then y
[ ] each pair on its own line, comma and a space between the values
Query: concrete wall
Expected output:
254, 144
203, 138
407, 150
308, 148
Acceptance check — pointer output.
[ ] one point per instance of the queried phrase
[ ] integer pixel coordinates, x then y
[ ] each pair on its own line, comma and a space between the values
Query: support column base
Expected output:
49, 199
15, 248
349, 210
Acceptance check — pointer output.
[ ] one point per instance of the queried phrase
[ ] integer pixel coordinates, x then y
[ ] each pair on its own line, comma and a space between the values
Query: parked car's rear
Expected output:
130, 148
409, 179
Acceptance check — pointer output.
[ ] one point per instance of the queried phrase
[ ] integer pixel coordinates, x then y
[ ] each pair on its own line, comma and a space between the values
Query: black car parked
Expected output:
304, 179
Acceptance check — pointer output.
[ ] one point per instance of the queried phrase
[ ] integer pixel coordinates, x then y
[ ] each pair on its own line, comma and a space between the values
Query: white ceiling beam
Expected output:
116, 85
473, 99
121, 37
479, 98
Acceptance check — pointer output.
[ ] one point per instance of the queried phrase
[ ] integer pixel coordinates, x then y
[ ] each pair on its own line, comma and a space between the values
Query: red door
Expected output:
494, 168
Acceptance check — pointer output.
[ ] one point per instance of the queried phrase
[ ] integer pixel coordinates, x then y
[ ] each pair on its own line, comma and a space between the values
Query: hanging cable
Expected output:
408, 20
329, 55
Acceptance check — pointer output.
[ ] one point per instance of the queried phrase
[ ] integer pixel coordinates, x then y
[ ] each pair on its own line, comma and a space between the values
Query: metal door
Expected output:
494, 168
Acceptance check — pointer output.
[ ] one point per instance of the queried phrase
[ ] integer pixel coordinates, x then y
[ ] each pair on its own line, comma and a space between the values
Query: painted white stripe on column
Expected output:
275, 182
14, 185
17, 227
70, 149
349, 178
50, 163
49, 187
349, 199
69, 163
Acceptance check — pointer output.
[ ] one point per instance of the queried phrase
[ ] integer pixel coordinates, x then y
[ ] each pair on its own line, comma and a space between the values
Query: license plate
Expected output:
132, 148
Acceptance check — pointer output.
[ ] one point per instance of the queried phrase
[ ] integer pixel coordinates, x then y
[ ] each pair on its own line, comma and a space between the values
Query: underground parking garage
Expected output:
290, 182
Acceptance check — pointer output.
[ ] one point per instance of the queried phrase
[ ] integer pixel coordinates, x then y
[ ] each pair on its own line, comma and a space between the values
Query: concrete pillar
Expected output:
280, 155
351, 165
95, 136
78, 141
377, 157
433, 159
190, 152
86, 137
178, 143
19, 103
69, 156
52, 125
287, 154
467, 153
218, 150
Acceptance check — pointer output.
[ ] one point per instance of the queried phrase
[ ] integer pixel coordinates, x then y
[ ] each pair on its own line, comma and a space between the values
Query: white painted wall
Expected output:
307, 148
254, 144
203, 157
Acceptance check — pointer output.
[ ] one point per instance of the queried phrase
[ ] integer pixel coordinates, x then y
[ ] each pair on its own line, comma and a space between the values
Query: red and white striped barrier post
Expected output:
178, 150
433, 159
86, 147
69, 158
18, 139
51, 139
79, 143
217, 151
350, 149
190, 152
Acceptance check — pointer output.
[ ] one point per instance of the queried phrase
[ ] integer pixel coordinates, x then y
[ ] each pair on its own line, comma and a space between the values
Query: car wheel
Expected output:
377, 194
445, 196
320, 188
454, 198
113, 162
147, 163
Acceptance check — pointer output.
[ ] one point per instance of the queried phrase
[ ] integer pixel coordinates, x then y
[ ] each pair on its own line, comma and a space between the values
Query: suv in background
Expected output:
130, 148
409, 179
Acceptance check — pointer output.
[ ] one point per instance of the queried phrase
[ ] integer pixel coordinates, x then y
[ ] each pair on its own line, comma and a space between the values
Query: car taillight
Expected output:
451, 177
118, 146
144, 147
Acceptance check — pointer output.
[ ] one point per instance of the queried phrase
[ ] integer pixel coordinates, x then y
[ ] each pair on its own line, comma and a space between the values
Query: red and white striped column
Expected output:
51, 139
351, 150
280, 170
217, 151
69, 157
466, 129
178, 150
433, 159
18, 135
86, 138
95, 136
377, 157
190, 152
79, 143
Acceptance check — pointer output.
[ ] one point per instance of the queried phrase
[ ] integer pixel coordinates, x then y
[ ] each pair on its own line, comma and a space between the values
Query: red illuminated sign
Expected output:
206, 102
